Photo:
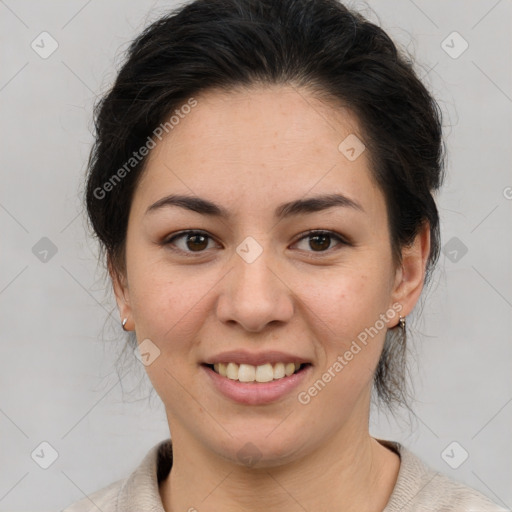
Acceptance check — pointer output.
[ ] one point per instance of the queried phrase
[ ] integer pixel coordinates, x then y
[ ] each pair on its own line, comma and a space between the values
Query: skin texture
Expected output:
249, 151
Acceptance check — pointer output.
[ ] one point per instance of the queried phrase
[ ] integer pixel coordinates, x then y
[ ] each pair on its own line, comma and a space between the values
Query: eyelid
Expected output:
343, 241
168, 241
333, 234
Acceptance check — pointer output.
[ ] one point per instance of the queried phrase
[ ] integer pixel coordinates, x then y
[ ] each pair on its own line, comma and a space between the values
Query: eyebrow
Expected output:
292, 208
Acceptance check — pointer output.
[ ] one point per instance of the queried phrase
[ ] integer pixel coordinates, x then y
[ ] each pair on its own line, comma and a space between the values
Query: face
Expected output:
245, 282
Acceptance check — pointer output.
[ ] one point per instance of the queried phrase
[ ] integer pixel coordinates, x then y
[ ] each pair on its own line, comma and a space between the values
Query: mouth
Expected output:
249, 373
265, 383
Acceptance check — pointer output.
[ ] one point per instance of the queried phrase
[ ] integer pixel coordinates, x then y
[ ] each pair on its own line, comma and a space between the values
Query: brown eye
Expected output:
320, 241
196, 242
191, 241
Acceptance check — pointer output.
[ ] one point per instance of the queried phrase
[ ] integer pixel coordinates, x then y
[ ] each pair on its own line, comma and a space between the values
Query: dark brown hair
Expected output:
315, 44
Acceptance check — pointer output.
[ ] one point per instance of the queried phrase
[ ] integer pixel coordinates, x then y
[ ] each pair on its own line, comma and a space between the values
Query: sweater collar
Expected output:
140, 491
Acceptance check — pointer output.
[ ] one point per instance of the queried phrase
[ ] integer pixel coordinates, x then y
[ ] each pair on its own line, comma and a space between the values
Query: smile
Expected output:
262, 373
257, 385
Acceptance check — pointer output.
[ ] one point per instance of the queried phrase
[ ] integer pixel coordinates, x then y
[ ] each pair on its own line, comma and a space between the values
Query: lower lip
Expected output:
256, 393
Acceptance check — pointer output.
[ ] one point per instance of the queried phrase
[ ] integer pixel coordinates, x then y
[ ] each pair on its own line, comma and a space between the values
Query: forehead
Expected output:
280, 118
251, 145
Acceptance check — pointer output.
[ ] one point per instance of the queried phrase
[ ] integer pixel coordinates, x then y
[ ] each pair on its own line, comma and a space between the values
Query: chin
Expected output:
261, 448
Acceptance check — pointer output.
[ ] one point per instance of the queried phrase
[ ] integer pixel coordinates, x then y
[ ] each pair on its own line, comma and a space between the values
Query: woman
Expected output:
262, 185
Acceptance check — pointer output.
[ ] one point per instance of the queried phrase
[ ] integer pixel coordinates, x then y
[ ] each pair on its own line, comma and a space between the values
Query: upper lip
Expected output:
255, 359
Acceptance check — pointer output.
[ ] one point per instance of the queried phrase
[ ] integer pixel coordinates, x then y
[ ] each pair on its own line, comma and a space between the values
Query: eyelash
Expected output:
310, 233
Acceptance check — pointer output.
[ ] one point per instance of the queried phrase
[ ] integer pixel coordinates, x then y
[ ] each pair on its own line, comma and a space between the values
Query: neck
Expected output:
350, 472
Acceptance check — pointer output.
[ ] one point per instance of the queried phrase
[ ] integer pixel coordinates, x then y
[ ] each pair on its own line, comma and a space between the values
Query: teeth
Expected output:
289, 369
264, 373
232, 371
279, 372
223, 369
246, 373
249, 373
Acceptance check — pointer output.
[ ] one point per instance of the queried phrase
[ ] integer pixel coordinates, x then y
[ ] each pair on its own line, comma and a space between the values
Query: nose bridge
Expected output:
253, 266
255, 296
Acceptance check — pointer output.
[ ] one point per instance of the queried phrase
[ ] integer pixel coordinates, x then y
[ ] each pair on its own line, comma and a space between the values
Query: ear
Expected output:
121, 291
410, 276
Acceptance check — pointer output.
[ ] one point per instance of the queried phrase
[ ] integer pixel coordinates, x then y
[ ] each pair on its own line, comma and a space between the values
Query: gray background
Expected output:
58, 381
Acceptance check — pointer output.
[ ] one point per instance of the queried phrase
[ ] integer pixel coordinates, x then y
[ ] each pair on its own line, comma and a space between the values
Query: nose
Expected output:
254, 294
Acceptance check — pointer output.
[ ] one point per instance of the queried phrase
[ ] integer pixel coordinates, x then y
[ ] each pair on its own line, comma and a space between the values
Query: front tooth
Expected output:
289, 369
246, 373
232, 371
264, 373
279, 371
249, 373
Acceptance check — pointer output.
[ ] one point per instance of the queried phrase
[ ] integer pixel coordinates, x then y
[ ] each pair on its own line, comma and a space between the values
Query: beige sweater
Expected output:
418, 488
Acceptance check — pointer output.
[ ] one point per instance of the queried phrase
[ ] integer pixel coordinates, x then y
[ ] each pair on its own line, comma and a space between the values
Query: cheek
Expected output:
161, 304
170, 305
169, 309
348, 314
350, 336
351, 300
